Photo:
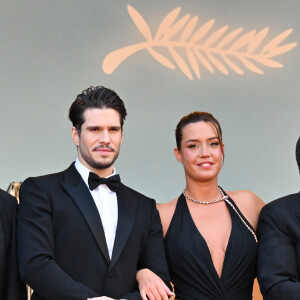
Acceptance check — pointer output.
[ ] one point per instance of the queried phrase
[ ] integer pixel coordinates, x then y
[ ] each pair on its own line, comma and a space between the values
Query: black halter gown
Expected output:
191, 267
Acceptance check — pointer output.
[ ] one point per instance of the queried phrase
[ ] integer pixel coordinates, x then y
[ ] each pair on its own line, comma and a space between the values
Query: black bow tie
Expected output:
113, 182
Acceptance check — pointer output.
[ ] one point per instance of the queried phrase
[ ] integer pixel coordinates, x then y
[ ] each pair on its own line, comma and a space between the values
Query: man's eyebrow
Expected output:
97, 126
92, 126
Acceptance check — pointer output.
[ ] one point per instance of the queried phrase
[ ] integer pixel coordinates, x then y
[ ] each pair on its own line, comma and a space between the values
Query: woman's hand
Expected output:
152, 286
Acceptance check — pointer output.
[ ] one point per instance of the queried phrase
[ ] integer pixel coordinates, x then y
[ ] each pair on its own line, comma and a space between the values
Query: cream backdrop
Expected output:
52, 50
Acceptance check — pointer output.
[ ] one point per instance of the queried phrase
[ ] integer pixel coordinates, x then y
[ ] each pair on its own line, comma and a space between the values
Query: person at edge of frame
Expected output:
278, 262
11, 287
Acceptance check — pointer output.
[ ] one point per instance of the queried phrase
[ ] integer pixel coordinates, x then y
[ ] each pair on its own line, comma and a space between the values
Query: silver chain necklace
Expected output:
205, 202
225, 198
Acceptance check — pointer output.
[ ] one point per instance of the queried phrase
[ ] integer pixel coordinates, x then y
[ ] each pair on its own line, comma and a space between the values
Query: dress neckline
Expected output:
191, 267
228, 245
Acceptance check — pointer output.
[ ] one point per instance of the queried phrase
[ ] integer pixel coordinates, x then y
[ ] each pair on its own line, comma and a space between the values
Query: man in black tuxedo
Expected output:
279, 247
82, 234
11, 287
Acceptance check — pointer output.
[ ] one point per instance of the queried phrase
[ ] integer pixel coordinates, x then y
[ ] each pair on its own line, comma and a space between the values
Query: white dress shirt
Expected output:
107, 205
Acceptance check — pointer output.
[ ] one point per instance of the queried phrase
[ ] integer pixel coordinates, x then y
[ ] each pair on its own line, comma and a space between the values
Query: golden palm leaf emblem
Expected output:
218, 49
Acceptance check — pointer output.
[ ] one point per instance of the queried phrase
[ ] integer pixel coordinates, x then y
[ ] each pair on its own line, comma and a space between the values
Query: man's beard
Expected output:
97, 164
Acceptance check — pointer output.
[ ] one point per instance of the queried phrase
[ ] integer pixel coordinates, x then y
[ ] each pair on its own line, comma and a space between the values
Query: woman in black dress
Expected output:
210, 238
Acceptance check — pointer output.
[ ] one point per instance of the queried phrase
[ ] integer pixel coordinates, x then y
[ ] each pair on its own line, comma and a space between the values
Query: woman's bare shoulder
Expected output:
168, 205
166, 211
249, 204
247, 199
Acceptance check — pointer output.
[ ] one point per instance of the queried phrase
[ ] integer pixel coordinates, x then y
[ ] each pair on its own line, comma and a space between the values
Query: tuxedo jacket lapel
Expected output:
127, 207
79, 192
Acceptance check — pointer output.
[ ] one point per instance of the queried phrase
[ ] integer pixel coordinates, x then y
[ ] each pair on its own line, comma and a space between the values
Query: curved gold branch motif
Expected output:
219, 50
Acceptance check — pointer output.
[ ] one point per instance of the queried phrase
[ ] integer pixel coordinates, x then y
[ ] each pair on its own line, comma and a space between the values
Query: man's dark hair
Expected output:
95, 97
298, 153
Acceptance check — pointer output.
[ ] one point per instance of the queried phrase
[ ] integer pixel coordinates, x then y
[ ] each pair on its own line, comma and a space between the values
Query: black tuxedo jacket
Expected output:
279, 249
11, 287
62, 249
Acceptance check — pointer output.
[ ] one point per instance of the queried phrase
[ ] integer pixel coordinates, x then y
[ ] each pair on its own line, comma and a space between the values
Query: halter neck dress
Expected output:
191, 267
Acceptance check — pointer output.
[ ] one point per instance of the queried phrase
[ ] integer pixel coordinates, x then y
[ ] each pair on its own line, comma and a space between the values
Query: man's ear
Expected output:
122, 135
75, 136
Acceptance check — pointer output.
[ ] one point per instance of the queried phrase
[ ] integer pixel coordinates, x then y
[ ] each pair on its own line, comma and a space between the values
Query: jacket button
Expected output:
110, 275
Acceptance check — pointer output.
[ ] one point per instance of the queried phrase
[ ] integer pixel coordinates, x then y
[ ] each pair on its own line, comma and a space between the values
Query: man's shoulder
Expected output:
47, 179
4, 196
135, 194
284, 202
7, 201
282, 207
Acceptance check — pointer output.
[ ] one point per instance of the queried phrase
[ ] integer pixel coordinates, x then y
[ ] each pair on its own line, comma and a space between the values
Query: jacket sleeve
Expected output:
153, 256
36, 250
278, 273
14, 289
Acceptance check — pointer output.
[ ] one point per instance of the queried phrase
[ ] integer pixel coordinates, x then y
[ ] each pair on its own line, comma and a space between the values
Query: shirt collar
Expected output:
84, 171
